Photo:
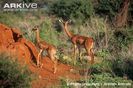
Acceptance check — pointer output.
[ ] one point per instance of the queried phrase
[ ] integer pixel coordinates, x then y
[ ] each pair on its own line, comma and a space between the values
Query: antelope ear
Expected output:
69, 21
60, 21
36, 27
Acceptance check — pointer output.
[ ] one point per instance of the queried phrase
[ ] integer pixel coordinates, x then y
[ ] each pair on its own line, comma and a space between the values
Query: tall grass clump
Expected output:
11, 18
12, 74
49, 33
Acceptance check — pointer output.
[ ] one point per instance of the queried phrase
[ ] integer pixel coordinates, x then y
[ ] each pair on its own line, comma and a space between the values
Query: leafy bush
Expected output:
116, 65
105, 75
109, 7
106, 80
103, 53
64, 83
103, 80
123, 67
103, 67
77, 9
12, 74
48, 33
121, 39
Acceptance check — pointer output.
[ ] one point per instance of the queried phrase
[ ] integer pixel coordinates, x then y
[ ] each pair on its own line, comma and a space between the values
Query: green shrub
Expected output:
114, 71
103, 67
109, 7
77, 9
49, 33
120, 40
12, 74
103, 75
64, 84
123, 67
103, 53
119, 64
104, 79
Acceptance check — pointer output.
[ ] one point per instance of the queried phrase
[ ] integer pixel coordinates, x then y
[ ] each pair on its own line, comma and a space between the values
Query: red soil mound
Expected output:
13, 43
10, 42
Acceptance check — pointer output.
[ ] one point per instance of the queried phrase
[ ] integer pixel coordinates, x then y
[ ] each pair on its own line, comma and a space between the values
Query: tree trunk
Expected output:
121, 17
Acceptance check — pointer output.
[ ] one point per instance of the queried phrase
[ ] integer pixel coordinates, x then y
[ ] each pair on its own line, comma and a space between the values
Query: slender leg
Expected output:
38, 57
75, 54
52, 55
92, 56
55, 66
55, 62
80, 53
88, 53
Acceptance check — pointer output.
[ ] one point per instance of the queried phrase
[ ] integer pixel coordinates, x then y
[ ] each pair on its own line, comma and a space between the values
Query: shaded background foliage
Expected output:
72, 9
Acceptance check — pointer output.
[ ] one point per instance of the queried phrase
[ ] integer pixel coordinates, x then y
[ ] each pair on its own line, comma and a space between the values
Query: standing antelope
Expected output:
51, 50
80, 41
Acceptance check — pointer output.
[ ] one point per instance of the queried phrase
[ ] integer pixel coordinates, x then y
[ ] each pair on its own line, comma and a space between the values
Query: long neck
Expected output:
37, 36
70, 35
